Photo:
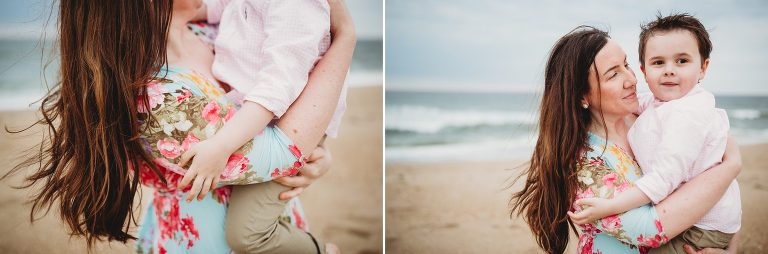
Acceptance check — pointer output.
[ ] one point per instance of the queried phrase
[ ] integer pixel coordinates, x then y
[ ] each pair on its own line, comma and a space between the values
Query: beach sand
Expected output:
343, 207
462, 207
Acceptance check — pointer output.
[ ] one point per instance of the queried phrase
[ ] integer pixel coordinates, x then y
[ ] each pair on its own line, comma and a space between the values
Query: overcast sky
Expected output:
25, 18
503, 45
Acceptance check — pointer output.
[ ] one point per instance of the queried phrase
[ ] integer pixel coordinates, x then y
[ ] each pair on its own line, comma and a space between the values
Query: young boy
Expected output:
264, 50
679, 134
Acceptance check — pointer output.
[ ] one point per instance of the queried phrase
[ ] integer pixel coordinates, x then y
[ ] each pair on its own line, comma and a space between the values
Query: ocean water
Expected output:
22, 60
444, 126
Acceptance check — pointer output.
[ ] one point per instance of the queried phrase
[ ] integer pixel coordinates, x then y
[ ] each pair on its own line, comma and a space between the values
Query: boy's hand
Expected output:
210, 158
598, 208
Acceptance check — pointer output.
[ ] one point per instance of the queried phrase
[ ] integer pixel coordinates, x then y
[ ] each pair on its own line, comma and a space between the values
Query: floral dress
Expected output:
188, 108
605, 170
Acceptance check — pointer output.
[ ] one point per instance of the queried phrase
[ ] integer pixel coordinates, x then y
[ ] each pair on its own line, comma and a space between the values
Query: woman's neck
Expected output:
178, 35
614, 128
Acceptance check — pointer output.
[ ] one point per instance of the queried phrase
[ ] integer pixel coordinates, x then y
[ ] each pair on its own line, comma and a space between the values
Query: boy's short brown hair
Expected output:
683, 21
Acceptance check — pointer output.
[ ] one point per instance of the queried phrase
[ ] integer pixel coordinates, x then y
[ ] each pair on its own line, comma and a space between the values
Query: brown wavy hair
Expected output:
550, 186
89, 157
681, 21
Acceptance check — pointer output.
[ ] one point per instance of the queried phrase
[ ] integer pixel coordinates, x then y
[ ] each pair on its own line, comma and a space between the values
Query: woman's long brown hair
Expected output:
563, 124
88, 161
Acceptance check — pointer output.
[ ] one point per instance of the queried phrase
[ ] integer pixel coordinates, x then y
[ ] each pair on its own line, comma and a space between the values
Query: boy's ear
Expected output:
704, 66
642, 68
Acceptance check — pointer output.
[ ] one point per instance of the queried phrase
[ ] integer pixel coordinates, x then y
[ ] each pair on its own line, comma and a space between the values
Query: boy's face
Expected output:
672, 64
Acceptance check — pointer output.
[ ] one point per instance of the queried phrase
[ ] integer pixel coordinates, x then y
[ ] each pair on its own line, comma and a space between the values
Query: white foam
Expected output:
365, 78
744, 114
423, 119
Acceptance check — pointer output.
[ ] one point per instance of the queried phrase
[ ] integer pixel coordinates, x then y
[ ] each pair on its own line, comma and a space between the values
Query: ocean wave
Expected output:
423, 119
365, 78
744, 114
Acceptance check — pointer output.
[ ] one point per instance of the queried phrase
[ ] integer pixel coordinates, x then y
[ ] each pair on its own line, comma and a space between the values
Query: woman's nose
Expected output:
631, 80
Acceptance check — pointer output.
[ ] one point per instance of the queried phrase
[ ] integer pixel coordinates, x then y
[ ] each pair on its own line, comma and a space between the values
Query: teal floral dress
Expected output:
603, 171
188, 108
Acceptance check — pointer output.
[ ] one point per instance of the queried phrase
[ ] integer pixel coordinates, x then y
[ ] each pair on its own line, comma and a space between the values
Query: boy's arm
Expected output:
598, 208
683, 134
296, 32
211, 155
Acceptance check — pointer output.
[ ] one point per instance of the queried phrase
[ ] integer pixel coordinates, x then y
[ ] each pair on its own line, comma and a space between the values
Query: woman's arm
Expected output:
692, 200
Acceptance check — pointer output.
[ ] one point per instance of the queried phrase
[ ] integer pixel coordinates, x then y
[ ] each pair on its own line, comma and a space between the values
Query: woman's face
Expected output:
186, 7
616, 94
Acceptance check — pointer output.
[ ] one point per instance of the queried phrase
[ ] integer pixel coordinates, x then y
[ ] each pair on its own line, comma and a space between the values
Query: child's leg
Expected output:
253, 224
697, 238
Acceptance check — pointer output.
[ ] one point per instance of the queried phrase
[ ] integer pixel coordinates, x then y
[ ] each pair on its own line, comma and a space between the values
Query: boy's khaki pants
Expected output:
253, 225
697, 238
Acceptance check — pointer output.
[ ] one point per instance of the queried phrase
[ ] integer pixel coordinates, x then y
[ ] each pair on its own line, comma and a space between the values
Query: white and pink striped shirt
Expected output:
675, 141
266, 49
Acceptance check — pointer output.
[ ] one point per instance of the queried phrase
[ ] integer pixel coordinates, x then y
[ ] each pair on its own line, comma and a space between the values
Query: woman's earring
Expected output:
585, 106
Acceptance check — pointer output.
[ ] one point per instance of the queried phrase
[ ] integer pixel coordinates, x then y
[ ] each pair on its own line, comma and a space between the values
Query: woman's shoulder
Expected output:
175, 78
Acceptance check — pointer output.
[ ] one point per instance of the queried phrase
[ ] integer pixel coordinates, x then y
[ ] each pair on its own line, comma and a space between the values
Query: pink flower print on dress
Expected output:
622, 187
188, 228
155, 93
596, 161
299, 221
654, 241
291, 171
586, 244
222, 194
611, 223
658, 226
211, 112
236, 166
185, 94
609, 179
169, 148
189, 141
230, 113
295, 150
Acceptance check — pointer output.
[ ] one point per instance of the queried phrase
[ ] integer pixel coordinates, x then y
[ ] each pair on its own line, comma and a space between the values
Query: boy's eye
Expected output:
682, 61
657, 62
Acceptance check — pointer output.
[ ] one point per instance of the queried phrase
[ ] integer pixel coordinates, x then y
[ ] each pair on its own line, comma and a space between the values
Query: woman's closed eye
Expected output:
616, 73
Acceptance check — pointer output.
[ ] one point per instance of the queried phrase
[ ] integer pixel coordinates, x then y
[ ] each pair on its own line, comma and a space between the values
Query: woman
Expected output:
118, 60
586, 111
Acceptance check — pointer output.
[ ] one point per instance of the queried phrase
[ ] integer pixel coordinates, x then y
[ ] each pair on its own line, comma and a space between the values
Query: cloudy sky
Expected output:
25, 18
503, 45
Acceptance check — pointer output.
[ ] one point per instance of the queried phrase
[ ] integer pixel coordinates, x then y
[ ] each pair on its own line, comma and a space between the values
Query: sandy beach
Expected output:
344, 207
461, 207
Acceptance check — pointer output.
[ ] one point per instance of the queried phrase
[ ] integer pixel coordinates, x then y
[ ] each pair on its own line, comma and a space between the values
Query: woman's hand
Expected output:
318, 163
341, 21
